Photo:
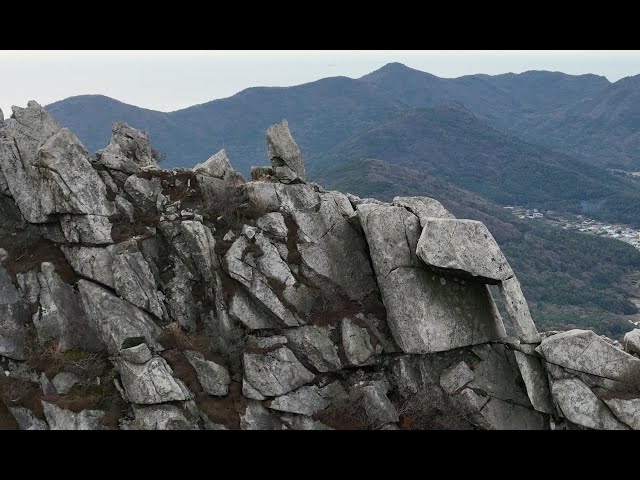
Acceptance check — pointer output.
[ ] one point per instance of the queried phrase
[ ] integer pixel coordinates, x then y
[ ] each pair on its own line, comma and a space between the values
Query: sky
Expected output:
172, 79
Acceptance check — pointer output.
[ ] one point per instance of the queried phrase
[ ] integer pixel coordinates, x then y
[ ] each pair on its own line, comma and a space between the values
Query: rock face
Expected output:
127, 151
189, 299
284, 153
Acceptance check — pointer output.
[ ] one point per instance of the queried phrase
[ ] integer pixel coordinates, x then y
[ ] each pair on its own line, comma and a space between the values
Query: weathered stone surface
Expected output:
284, 153
518, 311
377, 405
124, 208
244, 309
143, 192
218, 166
307, 400
256, 417
497, 375
302, 422
91, 229
151, 382
631, 341
138, 354
160, 417
463, 247
584, 351
454, 378
135, 282
14, 315
506, 416
94, 263
333, 247
179, 297
580, 405
356, 342
115, 319
72, 184
29, 285
422, 207
200, 244
61, 316
214, 378
535, 380
60, 419
275, 372
314, 344
427, 312
250, 392
626, 410
64, 381
127, 151
273, 223
19, 142
27, 420
254, 273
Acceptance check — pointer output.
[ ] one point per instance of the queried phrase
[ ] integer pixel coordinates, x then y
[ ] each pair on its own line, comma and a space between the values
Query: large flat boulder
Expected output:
587, 352
426, 311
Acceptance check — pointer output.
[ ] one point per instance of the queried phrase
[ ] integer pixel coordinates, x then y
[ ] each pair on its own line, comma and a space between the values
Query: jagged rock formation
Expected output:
138, 298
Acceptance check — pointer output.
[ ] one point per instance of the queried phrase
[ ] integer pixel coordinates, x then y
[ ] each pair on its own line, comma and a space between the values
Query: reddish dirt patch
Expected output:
226, 410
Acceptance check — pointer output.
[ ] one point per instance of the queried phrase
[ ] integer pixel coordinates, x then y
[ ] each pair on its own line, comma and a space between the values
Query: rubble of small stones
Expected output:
137, 298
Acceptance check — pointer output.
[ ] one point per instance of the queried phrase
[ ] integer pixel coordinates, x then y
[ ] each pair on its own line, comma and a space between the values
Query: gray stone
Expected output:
250, 392
64, 381
580, 405
426, 312
626, 410
498, 375
182, 305
29, 285
584, 351
19, 142
27, 420
377, 405
143, 192
463, 247
256, 417
332, 247
91, 229
46, 385
313, 343
124, 208
535, 380
302, 422
254, 274
473, 400
60, 419
422, 207
218, 166
214, 378
14, 315
127, 151
140, 354
506, 416
275, 372
160, 417
284, 153
304, 400
356, 342
73, 186
135, 282
200, 245
454, 378
62, 316
243, 309
151, 382
94, 263
273, 223
631, 341
115, 319
518, 311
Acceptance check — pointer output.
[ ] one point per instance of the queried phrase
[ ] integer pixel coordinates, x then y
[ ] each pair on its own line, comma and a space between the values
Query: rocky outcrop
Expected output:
128, 150
284, 154
189, 299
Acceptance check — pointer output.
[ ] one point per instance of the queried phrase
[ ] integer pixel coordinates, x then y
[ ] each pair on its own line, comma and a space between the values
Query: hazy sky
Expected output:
170, 80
